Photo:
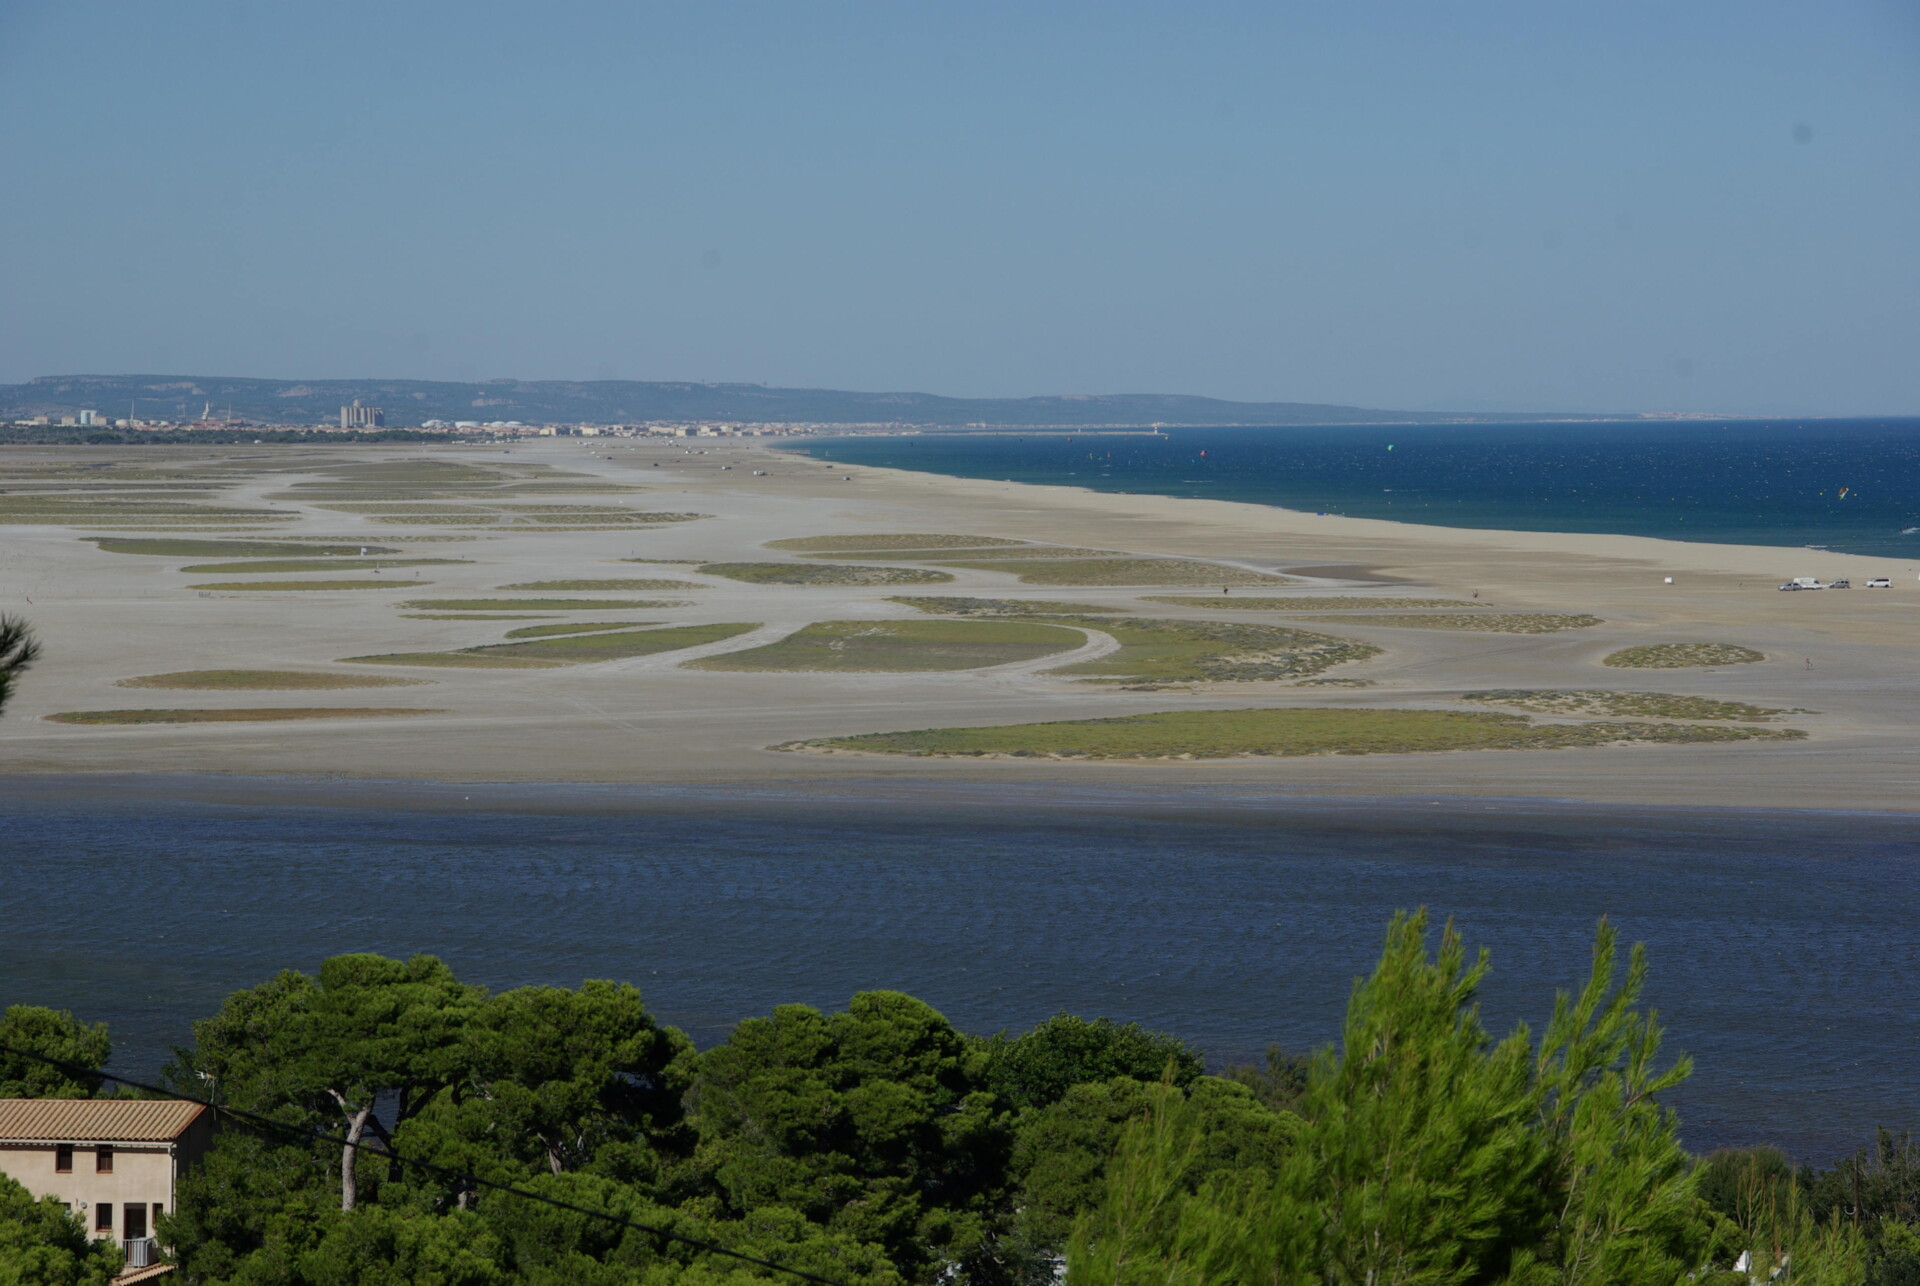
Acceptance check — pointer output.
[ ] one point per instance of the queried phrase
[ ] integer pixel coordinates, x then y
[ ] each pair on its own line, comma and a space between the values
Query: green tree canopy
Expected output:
555, 1080
869, 1123
42, 1244
1427, 1152
18, 650
330, 1047
56, 1034
1038, 1067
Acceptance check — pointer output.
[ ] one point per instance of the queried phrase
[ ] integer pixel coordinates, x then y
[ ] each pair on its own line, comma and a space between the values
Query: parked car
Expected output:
1880, 582
1842, 583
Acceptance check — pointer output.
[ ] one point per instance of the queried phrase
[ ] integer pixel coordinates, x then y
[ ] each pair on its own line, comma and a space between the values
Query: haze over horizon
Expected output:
1486, 207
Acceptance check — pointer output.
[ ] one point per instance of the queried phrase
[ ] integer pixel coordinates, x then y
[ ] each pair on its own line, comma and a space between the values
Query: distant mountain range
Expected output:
411, 402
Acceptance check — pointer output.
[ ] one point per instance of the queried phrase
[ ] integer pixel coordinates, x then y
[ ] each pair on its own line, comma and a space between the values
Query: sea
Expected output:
1783, 950
1850, 485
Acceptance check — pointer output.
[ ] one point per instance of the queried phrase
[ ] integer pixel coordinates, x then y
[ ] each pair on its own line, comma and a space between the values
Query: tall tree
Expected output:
870, 1123
366, 1028
18, 650
553, 1080
1430, 1154
56, 1034
1622, 1206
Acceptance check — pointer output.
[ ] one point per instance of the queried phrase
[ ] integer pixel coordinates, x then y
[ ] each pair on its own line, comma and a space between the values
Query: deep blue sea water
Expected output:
1785, 954
1853, 485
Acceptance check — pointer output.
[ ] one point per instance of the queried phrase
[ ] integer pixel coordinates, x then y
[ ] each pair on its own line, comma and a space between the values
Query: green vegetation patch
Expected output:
318, 565
570, 627
183, 548
262, 680
1160, 651
1628, 705
1002, 607
284, 585
1488, 622
1222, 734
901, 646
1124, 571
892, 540
233, 716
531, 604
818, 574
479, 616
1304, 603
570, 650
993, 553
1681, 656
464, 660
630, 586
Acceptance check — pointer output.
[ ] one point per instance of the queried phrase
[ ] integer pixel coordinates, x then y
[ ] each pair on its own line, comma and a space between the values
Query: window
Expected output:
63, 1158
158, 1210
103, 1160
134, 1217
103, 1217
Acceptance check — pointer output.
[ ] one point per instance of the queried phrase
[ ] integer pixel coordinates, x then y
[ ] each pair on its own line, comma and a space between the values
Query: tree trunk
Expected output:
356, 1127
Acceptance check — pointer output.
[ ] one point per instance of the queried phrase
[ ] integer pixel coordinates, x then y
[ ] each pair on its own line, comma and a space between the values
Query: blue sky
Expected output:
1707, 205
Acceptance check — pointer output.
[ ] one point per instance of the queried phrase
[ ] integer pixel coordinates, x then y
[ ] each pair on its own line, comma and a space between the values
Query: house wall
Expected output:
141, 1173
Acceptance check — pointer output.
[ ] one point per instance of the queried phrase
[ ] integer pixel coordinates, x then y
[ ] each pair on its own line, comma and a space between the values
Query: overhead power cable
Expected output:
307, 1134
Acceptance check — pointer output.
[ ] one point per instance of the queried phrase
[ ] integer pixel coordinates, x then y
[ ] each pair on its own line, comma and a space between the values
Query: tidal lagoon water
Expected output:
1852, 485
1785, 954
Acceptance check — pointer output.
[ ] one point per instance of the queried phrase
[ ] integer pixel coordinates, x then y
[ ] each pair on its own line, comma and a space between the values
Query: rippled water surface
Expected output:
1783, 946
1851, 484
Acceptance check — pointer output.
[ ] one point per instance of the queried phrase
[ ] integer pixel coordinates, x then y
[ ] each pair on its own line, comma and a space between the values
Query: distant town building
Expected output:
362, 417
91, 417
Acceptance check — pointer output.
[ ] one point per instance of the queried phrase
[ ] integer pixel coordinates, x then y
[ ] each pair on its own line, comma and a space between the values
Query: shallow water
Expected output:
1783, 946
1851, 484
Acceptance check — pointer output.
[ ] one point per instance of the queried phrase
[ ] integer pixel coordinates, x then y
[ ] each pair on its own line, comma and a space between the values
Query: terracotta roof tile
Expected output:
83, 1120
146, 1274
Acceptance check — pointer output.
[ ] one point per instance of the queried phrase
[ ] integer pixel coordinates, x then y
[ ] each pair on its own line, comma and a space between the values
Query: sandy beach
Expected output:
105, 617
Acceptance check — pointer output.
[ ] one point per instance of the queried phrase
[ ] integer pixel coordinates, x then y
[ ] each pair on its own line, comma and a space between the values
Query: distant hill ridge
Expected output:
410, 402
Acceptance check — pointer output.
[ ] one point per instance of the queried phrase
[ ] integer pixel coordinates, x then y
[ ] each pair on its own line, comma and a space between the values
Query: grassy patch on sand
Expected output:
530, 604
478, 616
1157, 651
891, 540
468, 659
630, 586
262, 680
821, 574
570, 650
1681, 656
184, 548
1002, 607
232, 716
1220, 734
281, 586
1123, 571
1486, 622
571, 627
1303, 603
1626, 705
901, 646
996, 554
316, 565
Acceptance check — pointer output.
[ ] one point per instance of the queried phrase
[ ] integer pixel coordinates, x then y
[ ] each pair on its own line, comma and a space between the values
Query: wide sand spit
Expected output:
1841, 661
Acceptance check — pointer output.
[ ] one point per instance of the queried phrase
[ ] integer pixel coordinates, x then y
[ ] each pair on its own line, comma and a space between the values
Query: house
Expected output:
114, 1162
